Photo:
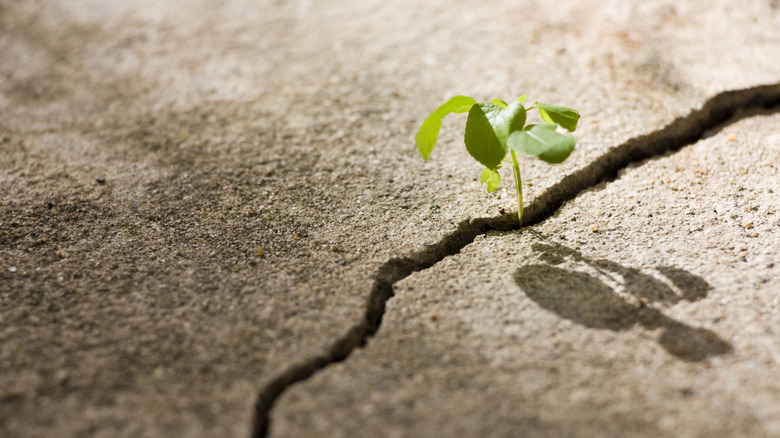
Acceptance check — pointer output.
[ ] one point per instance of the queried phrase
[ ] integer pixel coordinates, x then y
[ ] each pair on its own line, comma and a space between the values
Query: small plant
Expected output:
495, 127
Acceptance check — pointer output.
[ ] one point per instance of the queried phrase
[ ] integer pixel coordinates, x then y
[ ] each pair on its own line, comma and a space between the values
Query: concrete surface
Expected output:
195, 199
648, 306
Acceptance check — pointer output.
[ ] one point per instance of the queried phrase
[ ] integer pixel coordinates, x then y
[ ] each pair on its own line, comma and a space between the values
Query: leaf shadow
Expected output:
587, 299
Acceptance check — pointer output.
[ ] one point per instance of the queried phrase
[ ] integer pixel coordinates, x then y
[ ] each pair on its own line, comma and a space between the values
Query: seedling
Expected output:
495, 127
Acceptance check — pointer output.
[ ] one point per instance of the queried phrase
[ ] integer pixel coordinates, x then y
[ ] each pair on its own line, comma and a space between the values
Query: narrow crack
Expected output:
722, 109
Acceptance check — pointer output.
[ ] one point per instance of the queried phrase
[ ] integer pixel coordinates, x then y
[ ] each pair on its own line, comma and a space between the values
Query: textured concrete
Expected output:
195, 199
648, 306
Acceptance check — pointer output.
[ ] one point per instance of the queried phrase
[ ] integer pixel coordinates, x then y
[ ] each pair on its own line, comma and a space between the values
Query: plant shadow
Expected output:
602, 294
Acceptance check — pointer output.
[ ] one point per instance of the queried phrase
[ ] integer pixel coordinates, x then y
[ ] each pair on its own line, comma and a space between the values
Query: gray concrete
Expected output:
195, 199
648, 306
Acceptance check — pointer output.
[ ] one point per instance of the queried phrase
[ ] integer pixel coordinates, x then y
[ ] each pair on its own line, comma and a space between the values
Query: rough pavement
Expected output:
197, 200
648, 306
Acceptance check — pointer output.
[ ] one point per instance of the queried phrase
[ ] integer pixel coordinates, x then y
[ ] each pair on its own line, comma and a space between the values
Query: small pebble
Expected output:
100, 180
12, 269
260, 252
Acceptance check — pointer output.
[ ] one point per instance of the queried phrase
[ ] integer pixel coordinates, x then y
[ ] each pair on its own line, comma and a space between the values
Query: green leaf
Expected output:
429, 131
566, 117
492, 178
504, 120
499, 102
543, 141
521, 99
481, 141
486, 174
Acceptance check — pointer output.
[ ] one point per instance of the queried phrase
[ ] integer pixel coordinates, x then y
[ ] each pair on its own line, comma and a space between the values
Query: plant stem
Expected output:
518, 187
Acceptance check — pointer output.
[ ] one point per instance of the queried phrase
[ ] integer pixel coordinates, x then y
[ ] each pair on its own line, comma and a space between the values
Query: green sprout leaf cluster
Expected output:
494, 128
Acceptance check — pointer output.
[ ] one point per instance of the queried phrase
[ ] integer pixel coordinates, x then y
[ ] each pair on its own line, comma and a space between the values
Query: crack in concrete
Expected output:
719, 111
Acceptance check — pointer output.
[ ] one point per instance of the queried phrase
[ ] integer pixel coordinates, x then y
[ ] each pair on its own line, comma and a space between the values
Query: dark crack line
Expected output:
722, 109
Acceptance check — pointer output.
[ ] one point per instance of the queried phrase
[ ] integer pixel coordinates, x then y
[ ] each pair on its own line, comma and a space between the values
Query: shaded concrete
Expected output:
196, 199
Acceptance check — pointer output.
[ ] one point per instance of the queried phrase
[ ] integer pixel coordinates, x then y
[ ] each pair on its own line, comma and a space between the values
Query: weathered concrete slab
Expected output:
149, 150
421, 381
648, 306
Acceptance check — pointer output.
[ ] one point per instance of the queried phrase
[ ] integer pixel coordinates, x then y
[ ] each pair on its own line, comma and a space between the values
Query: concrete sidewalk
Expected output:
194, 200
648, 306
